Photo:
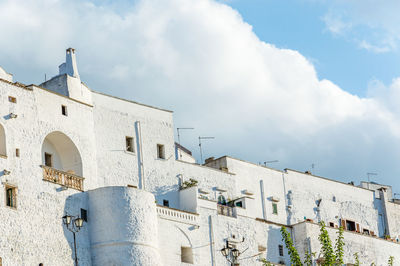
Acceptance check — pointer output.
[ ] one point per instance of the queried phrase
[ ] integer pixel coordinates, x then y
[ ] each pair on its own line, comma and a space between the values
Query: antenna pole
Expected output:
179, 137
201, 152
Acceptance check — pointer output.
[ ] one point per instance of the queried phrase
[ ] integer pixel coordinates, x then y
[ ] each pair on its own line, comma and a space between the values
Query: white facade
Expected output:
54, 134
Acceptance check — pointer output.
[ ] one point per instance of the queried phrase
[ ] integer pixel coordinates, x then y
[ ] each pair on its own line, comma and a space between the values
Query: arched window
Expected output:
59, 152
3, 149
221, 200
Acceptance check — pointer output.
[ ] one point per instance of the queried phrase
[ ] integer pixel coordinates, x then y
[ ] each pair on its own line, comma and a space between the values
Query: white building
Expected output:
65, 149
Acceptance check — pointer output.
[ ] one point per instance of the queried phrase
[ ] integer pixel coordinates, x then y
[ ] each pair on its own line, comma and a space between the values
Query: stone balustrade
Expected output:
177, 215
62, 178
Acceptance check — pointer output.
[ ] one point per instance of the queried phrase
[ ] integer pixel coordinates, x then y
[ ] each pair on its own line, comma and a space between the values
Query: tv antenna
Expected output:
179, 136
201, 152
274, 161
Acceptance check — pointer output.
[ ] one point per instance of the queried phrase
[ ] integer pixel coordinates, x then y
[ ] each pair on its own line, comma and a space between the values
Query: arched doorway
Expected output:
59, 152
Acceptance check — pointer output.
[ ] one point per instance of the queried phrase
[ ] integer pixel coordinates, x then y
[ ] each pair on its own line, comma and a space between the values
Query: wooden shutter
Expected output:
344, 224
358, 228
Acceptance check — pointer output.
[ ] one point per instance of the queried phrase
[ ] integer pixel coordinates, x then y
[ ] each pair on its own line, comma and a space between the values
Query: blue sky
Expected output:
302, 81
300, 25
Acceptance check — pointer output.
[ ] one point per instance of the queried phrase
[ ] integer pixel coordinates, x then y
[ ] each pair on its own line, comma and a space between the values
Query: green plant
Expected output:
391, 261
308, 258
357, 263
190, 183
265, 262
294, 255
339, 247
326, 246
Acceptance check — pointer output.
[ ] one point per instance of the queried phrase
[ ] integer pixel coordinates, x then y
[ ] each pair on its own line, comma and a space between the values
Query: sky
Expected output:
314, 84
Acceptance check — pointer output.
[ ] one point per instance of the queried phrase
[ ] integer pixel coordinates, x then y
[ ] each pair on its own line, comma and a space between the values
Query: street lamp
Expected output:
231, 254
73, 224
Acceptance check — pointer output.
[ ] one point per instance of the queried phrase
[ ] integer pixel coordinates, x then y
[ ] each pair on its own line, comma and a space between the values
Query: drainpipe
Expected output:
263, 199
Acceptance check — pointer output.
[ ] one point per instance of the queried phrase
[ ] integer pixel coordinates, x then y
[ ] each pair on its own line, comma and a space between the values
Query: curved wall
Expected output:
123, 221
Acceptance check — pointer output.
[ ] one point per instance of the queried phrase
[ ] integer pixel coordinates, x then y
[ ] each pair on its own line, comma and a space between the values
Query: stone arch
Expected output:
3, 147
60, 152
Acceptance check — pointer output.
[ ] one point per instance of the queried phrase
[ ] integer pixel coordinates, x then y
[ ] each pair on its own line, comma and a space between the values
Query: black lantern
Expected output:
73, 224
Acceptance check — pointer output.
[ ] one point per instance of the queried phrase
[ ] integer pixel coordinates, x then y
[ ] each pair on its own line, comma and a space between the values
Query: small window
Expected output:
331, 224
64, 110
160, 151
239, 204
186, 255
280, 247
11, 197
129, 144
48, 159
12, 99
84, 214
274, 208
334, 199
221, 200
166, 203
350, 225
40, 264
365, 231
17, 152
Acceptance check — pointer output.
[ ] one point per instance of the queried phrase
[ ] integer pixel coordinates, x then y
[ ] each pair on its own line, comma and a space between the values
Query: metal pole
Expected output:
76, 256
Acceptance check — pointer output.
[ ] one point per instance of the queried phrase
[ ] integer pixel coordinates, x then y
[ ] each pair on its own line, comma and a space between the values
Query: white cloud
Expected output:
200, 59
371, 25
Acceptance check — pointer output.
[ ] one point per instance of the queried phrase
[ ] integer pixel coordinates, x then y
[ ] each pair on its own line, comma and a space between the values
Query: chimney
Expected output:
69, 67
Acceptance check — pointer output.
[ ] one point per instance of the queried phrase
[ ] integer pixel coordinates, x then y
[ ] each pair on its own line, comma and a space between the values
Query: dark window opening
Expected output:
129, 144
84, 214
186, 255
160, 151
48, 159
365, 231
11, 197
64, 110
17, 152
221, 200
239, 204
350, 226
280, 250
331, 224
274, 208
166, 203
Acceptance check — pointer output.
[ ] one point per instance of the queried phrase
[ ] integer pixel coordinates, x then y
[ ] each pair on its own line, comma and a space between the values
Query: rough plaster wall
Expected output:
248, 177
33, 233
393, 210
370, 249
351, 203
123, 227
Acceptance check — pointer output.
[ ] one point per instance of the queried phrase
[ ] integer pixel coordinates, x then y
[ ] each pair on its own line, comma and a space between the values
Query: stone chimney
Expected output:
69, 67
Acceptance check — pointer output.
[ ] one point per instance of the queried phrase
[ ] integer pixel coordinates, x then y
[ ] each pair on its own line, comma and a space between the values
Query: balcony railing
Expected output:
62, 178
177, 215
226, 210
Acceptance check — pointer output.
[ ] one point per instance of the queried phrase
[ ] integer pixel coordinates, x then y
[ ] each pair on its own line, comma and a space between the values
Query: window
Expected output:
280, 247
350, 225
64, 110
17, 152
186, 255
365, 231
166, 203
160, 151
274, 208
48, 159
129, 144
334, 199
11, 196
84, 214
12, 99
221, 200
239, 204
331, 224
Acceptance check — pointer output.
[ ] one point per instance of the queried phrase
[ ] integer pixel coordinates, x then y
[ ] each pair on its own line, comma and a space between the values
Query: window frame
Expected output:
14, 199
274, 208
51, 159
130, 148
64, 110
161, 151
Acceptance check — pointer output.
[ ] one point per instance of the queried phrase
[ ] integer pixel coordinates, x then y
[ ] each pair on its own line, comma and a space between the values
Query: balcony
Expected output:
226, 210
177, 215
62, 178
